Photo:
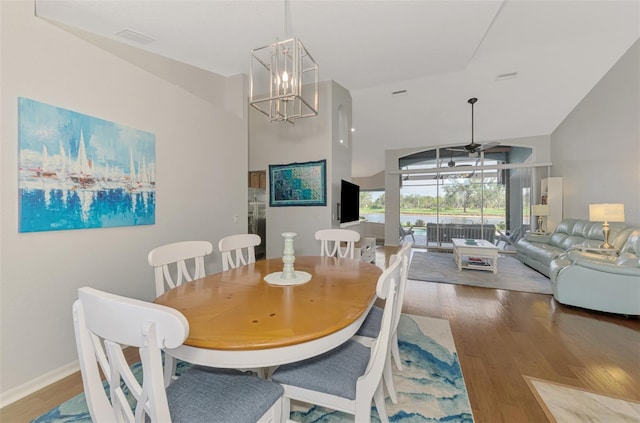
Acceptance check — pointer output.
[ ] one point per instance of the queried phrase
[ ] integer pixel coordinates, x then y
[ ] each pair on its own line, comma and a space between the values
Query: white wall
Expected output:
596, 149
310, 139
374, 182
340, 151
201, 155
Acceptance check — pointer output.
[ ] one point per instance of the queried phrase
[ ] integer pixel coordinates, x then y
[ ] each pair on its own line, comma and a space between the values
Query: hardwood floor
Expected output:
500, 336
45, 399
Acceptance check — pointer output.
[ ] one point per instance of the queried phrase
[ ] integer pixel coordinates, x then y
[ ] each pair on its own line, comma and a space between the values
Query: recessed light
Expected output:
353, 129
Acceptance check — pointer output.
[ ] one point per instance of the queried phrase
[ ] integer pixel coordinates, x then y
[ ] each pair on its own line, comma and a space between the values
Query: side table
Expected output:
597, 250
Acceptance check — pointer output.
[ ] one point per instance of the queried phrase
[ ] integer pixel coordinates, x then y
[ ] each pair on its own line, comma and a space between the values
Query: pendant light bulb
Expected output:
291, 76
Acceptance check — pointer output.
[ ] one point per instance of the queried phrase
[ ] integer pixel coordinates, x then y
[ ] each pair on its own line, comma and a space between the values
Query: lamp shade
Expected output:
606, 212
540, 210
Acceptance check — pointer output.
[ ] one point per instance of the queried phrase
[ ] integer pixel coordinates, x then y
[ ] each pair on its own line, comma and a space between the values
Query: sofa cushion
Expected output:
632, 245
572, 232
542, 252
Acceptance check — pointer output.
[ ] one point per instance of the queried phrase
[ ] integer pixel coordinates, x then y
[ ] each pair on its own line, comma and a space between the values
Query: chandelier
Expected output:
284, 79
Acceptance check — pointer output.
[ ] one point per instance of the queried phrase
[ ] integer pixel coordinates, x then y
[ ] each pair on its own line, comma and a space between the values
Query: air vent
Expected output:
135, 36
505, 76
398, 93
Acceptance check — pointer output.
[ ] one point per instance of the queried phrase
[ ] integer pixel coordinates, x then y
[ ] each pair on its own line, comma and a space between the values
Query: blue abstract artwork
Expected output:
81, 172
298, 184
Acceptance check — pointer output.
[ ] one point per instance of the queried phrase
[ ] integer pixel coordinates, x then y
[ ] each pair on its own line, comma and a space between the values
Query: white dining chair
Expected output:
174, 258
331, 240
105, 323
370, 328
348, 377
242, 246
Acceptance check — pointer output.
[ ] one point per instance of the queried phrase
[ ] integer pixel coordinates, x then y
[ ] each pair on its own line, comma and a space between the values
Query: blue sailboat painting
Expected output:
81, 172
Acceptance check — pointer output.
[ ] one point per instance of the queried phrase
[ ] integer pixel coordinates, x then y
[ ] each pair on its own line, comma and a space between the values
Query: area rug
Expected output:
562, 403
430, 388
512, 274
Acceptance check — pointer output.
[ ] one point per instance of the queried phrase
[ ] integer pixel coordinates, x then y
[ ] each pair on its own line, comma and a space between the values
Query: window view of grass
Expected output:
462, 201
447, 192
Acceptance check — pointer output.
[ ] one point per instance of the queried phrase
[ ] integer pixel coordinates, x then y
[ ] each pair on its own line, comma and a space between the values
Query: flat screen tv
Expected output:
349, 202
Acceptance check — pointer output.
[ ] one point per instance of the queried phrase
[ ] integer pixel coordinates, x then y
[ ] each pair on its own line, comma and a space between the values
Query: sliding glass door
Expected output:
459, 195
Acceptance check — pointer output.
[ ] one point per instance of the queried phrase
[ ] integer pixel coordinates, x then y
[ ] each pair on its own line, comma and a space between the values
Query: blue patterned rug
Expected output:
430, 388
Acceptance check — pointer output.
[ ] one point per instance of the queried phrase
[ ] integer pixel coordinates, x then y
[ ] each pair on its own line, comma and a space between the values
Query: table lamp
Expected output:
606, 213
540, 210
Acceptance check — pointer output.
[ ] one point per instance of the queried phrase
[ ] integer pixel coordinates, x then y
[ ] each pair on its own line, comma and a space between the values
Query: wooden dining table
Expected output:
238, 320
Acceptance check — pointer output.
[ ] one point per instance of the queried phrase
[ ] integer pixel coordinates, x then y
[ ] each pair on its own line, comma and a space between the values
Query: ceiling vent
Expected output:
135, 36
506, 76
398, 93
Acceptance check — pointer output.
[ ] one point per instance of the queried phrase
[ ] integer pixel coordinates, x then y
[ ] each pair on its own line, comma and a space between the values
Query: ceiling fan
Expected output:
474, 147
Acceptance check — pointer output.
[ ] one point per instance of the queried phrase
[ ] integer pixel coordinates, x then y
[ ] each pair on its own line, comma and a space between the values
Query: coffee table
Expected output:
477, 254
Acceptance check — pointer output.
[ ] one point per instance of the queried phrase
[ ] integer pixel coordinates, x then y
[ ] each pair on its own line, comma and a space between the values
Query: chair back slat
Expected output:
105, 323
331, 241
385, 289
238, 250
404, 254
171, 263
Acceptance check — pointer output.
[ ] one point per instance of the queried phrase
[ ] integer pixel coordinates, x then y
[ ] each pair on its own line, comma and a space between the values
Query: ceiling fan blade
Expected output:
499, 149
487, 146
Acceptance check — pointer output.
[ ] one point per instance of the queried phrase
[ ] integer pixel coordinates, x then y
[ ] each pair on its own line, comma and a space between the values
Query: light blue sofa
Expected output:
538, 251
600, 282
593, 280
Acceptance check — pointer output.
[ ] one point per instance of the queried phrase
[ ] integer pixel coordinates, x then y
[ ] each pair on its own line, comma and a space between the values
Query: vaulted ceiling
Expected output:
528, 62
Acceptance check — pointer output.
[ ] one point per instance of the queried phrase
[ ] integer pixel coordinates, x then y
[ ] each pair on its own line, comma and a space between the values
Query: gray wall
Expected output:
201, 155
310, 139
596, 149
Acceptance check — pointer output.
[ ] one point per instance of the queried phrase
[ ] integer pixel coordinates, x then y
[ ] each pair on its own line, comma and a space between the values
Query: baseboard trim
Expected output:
28, 388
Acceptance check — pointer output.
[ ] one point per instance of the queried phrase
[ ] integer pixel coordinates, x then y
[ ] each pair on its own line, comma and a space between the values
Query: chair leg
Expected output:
387, 375
395, 351
378, 398
286, 408
170, 365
